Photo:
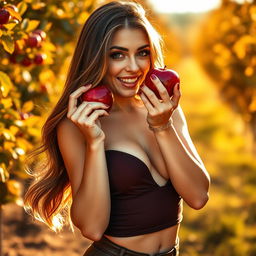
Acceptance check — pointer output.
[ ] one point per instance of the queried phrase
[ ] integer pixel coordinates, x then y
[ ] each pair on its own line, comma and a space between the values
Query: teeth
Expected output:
128, 80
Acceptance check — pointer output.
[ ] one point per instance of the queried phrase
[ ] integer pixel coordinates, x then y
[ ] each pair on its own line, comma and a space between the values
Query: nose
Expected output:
132, 64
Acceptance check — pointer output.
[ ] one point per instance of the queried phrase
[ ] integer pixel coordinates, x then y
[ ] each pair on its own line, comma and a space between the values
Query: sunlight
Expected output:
182, 6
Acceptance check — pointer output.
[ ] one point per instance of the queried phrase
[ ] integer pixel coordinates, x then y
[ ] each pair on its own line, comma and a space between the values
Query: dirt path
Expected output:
34, 239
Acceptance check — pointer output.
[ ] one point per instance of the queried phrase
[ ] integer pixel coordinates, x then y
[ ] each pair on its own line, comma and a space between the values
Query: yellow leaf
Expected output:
22, 7
249, 71
14, 187
46, 75
32, 121
13, 13
8, 145
8, 43
27, 107
23, 144
34, 132
6, 102
49, 47
38, 5
13, 129
8, 135
82, 17
32, 24
5, 83
11, 25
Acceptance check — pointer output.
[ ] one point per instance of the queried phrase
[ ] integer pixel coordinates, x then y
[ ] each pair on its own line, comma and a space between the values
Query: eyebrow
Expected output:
126, 50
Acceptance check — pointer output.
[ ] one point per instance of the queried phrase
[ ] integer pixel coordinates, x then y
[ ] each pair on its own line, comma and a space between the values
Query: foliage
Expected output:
226, 225
227, 50
30, 77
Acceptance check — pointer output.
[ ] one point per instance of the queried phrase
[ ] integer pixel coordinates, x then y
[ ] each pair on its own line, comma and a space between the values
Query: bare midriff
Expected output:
160, 241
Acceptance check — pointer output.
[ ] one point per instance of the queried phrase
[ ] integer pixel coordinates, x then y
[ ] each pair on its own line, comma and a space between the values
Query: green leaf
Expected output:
5, 83
8, 43
22, 7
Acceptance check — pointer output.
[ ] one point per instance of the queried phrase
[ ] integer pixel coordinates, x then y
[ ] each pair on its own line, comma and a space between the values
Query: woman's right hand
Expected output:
85, 116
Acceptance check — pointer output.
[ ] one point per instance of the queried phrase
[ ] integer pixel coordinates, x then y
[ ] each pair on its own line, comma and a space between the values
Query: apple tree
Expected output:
36, 40
227, 51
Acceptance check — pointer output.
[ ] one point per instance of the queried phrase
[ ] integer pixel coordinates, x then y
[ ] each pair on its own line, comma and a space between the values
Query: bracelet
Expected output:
160, 128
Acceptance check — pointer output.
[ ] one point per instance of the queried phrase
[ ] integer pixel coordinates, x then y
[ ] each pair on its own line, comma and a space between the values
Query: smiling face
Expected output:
128, 61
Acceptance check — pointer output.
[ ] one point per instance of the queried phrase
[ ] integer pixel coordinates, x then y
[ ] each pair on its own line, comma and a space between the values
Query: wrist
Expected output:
160, 128
95, 145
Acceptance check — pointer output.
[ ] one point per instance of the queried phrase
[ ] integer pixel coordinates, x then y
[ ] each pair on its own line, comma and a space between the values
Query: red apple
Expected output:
24, 115
4, 16
33, 41
41, 33
13, 59
167, 76
39, 58
99, 93
26, 61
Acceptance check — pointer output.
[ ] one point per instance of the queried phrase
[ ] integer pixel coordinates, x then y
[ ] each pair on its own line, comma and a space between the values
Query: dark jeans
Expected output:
105, 247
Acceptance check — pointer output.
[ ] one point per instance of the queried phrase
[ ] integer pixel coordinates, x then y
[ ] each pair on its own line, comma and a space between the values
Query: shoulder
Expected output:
67, 129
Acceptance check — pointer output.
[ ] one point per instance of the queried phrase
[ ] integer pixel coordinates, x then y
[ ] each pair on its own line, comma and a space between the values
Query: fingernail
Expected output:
87, 85
153, 76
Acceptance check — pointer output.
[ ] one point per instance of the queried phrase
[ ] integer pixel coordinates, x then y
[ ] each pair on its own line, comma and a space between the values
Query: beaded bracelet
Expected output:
160, 128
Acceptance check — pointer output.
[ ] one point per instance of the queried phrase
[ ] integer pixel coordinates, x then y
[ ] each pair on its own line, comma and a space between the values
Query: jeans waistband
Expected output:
104, 244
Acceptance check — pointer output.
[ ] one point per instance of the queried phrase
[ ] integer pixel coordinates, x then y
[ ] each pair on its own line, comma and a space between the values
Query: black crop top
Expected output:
138, 204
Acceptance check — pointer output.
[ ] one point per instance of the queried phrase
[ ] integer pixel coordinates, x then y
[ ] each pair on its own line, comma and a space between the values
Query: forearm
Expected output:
91, 203
187, 174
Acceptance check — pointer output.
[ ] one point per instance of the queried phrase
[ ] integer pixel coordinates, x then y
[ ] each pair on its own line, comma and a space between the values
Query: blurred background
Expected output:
211, 44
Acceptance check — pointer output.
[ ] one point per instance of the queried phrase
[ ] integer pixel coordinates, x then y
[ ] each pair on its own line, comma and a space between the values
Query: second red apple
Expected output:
167, 76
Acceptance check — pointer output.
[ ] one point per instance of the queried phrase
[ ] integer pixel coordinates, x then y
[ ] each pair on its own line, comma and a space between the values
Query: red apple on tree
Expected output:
4, 16
41, 33
33, 41
26, 61
12, 58
99, 93
39, 58
167, 76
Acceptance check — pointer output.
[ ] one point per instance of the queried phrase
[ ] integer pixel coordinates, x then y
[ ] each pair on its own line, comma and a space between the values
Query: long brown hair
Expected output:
49, 197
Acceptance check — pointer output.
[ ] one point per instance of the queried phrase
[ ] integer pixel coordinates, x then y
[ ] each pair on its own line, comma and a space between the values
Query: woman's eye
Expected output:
116, 55
144, 53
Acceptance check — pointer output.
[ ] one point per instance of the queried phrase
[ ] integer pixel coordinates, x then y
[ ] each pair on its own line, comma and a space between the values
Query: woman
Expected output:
123, 174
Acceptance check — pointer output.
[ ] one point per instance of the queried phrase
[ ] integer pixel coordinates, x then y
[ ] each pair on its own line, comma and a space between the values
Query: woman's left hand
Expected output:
159, 111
